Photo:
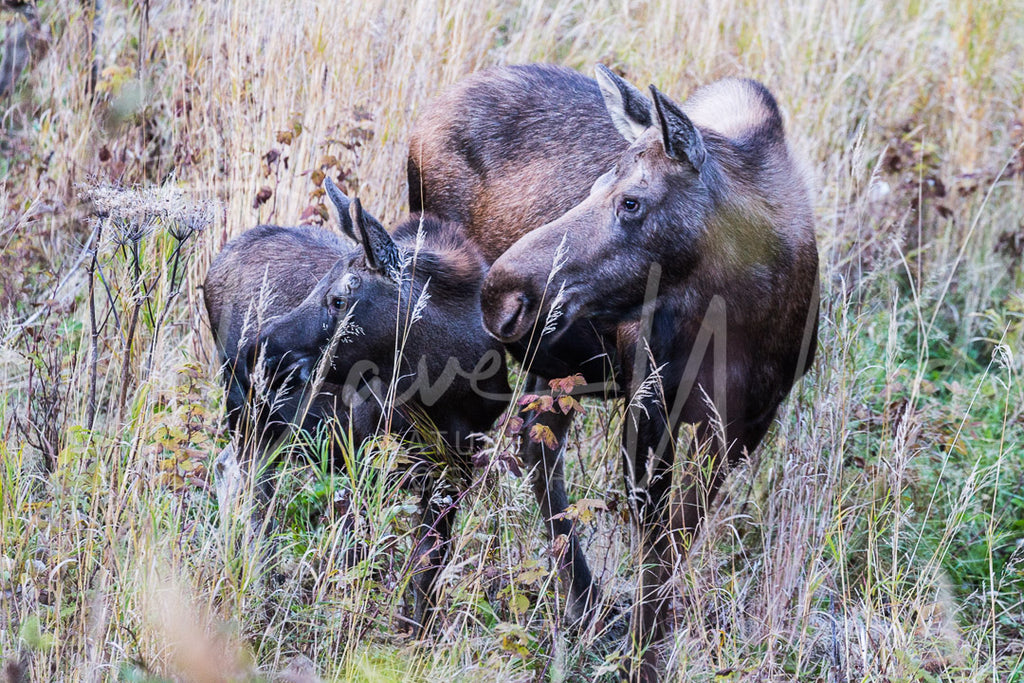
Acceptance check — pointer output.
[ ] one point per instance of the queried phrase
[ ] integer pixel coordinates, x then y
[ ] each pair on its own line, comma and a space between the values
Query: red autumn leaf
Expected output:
567, 384
512, 463
527, 398
514, 425
542, 404
262, 197
314, 214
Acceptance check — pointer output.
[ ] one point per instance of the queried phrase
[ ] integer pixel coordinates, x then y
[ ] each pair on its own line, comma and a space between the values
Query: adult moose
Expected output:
684, 269
415, 359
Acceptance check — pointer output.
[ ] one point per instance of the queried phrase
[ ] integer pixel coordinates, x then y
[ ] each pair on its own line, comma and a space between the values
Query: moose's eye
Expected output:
337, 303
629, 205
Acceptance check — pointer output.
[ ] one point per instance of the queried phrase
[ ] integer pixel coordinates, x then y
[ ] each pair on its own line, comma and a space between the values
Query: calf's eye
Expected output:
337, 303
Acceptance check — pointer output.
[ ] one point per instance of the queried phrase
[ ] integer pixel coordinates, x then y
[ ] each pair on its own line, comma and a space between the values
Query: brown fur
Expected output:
461, 170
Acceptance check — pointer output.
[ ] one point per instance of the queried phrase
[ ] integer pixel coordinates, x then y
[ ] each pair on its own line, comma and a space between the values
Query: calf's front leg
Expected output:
439, 506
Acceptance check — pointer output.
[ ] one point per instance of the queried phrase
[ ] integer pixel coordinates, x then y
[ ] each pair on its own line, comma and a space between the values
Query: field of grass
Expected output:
878, 533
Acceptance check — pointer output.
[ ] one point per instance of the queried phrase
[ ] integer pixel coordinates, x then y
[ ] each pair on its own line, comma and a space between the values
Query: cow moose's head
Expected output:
679, 197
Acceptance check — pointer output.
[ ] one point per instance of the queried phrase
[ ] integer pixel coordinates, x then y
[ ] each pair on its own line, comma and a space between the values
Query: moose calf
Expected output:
415, 359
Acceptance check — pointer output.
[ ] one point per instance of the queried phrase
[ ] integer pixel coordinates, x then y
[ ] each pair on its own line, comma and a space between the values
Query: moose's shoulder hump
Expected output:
447, 253
734, 108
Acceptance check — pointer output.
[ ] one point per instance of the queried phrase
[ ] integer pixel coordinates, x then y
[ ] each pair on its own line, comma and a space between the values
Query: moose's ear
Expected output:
629, 109
683, 142
382, 254
341, 203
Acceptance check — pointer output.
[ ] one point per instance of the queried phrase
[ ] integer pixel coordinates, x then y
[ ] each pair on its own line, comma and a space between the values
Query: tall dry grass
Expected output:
875, 535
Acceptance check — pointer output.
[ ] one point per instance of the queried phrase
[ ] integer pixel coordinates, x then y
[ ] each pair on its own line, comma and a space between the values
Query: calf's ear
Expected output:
683, 142
381, 252
629, 109
341, 203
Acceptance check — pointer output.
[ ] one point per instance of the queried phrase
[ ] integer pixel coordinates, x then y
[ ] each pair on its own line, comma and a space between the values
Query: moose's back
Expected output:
262, 274
525, 146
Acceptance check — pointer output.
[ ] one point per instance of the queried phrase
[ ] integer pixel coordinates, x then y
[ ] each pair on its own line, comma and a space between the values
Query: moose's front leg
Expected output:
648, 454
438, 506
668, 523
702, 476
547, 473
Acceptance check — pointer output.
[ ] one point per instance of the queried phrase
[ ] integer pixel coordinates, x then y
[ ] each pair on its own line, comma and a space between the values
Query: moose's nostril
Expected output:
512, 315
512, 312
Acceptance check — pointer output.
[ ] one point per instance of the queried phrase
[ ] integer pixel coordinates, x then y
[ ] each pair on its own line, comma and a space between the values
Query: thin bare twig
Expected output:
94, 332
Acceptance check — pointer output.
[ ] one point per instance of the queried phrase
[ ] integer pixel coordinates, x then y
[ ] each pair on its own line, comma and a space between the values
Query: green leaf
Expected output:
32, 634
519, 604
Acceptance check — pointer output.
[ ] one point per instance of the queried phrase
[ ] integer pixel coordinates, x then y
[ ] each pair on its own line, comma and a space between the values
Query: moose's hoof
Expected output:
640, 667
610, 625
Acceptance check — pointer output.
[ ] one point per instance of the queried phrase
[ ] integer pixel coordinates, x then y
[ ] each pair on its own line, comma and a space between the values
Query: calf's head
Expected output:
412, 300
360, 292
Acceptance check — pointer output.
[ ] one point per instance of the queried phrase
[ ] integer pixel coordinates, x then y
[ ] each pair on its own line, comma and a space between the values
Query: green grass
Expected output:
876, 535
